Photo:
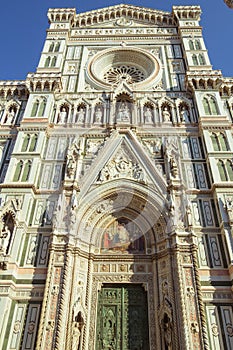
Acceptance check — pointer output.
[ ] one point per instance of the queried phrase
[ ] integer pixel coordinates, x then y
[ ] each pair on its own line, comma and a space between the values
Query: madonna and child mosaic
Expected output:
123, 236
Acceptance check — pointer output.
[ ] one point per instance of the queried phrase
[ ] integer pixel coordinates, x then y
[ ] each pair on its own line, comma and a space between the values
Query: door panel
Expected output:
122, 318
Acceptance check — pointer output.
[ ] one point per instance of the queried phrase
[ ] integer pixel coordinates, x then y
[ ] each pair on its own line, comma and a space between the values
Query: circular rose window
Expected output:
136, 67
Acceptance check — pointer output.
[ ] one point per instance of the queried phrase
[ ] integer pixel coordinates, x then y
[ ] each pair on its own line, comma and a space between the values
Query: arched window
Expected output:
42, 108
54, 60
206, 106
213, 105
229, 169
215, 142
191, 46
35, 108
195, 60
197, 45
18, 171
25, 143
51, 47
222, 171
33, 143
26, 171
47, 62
201, 59
210, 105
223, 142
57, 47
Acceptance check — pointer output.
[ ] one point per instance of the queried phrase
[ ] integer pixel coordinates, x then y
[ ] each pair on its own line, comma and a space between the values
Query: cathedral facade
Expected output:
117, 188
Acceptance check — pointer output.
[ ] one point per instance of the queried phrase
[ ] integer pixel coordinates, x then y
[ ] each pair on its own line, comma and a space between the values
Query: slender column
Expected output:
71, 301
45, 309
63, 304
202, 313
184, 340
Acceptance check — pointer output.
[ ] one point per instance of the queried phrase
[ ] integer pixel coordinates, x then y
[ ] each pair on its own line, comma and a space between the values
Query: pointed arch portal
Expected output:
120, 224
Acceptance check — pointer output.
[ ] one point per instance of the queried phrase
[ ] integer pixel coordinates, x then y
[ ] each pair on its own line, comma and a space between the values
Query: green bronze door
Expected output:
122, 318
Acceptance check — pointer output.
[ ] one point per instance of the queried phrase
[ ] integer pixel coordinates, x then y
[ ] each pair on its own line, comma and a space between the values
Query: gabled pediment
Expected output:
123, 15
123, 158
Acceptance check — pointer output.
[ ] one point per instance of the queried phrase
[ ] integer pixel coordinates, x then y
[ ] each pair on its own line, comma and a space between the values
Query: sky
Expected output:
23, 25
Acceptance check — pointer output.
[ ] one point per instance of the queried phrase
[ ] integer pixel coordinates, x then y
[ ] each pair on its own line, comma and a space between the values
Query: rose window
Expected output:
112, 66
125, 73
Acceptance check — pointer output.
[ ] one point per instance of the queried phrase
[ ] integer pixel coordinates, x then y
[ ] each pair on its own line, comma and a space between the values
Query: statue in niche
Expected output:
189, 214
10, 116
72, 218
170, 147
78, 319
123, 114
148, 116
72, 157
167, 330
5, 239
63, 116
173, 167
184, 115
166, 115
73, 200
76, 334
81, 115
98, 115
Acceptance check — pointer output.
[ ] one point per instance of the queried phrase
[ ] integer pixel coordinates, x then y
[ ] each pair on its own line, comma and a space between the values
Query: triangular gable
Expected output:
123, 157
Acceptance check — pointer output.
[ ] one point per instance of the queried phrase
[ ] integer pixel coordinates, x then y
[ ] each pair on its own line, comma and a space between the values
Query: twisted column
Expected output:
201, 308
63, 304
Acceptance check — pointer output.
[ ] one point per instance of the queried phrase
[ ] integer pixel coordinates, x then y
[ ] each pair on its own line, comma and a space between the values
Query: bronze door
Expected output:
122, 318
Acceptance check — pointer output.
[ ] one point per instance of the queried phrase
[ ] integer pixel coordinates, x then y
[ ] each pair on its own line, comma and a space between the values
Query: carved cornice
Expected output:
44, 82
61, 14
187, 12
16, 89
205, 80
123, 13
226, 88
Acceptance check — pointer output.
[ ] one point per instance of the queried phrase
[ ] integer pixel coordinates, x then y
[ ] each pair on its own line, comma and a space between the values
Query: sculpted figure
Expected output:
148, 115
62, 116
72, 157
10, 117
184, 115
123, 113
98, 115
81, 115
5, 239
167, 328
76, 333
166, 115
189, 214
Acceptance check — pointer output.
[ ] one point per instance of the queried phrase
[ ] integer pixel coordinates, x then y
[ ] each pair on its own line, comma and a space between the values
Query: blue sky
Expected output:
23, 27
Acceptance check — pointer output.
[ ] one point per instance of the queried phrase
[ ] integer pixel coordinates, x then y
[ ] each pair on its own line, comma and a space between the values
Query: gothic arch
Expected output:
116, 200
